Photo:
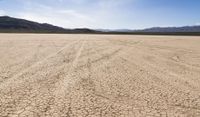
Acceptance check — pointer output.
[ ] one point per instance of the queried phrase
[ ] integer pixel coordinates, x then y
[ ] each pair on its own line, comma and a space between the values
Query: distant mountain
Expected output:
172, 29
15, 25
186, 30
115, 30
157, 29
10, 24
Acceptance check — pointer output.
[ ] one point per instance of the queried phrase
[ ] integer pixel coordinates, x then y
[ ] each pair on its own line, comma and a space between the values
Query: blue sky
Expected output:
107, 14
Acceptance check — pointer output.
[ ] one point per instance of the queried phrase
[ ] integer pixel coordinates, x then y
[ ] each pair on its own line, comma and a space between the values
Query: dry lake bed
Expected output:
56, 75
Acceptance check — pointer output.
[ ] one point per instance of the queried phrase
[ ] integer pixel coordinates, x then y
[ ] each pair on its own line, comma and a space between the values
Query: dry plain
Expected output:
99, 75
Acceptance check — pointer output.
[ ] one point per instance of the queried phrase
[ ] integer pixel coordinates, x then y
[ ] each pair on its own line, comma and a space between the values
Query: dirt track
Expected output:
99, 75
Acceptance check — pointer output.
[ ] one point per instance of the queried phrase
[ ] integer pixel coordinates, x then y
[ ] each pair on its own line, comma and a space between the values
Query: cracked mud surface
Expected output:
99, 76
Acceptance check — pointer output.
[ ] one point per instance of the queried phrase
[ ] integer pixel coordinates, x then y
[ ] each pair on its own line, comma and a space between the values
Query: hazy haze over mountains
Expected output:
9, 24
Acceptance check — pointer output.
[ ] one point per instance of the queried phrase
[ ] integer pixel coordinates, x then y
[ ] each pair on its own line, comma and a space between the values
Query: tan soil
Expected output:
99, 75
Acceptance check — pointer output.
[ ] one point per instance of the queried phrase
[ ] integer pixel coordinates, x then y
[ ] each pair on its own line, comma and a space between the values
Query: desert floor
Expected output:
99, 75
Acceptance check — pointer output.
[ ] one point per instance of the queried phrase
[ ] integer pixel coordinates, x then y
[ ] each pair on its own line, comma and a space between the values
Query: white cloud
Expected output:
61, 17
198, 24
73, 13
112, 3
2, 12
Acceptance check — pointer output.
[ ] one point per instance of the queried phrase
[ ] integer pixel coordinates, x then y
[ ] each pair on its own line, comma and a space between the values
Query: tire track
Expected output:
25, 62
4, 83
158, 69
45, 86
62, 86
100, 75
65, 80
162, 73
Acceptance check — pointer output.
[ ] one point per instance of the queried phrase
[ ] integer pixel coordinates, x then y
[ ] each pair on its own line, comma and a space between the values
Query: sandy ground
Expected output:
99, 75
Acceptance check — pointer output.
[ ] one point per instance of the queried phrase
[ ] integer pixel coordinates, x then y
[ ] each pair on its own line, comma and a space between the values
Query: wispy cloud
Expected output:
101, 11
71, 13
62, 17
198, 24
2, 12
104, 13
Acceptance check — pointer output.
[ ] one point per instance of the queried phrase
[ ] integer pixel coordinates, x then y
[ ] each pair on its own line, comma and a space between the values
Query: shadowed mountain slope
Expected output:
9, 24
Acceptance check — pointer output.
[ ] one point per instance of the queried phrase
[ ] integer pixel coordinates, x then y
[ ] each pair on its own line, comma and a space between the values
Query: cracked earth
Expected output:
99, 76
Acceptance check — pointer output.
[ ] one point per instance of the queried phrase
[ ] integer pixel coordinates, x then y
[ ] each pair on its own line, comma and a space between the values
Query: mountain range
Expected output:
16, 25
10, 24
